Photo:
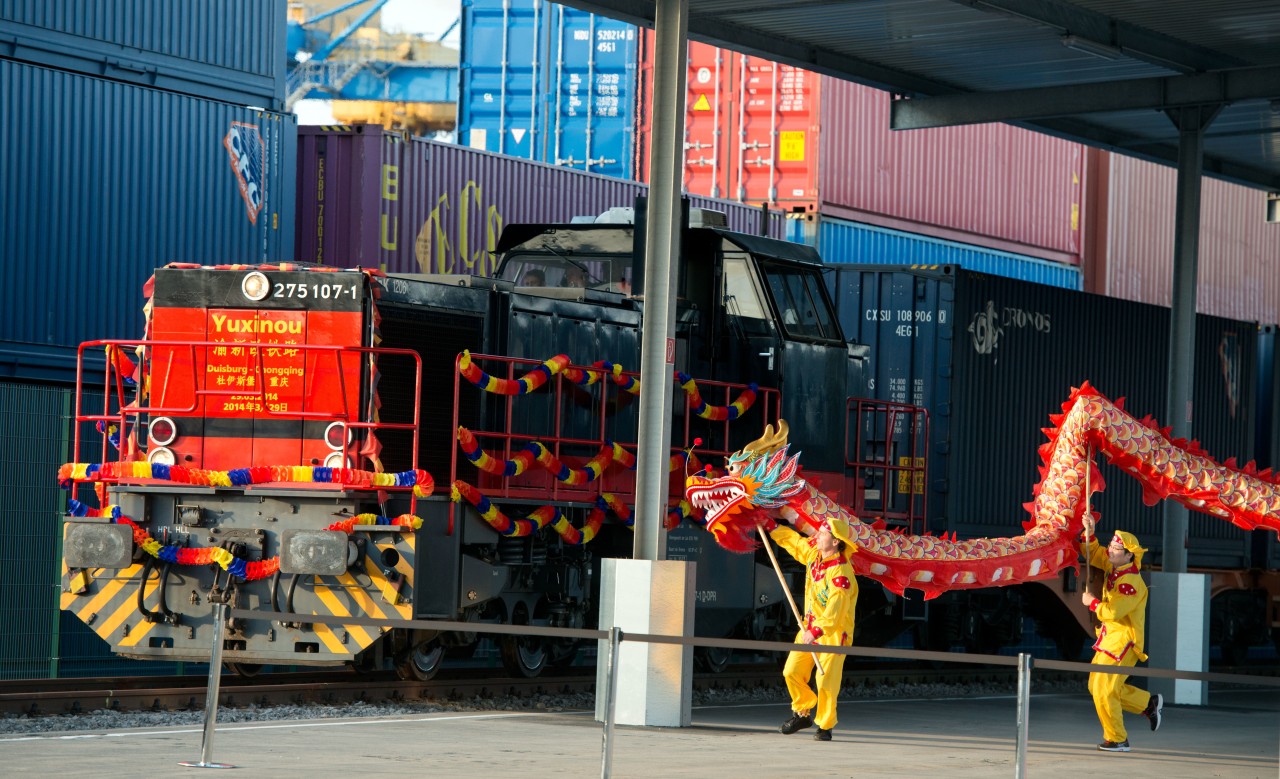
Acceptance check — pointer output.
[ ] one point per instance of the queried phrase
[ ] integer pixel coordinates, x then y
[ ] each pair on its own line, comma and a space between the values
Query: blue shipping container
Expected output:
106, 181
841, 241
232, 50
549, 83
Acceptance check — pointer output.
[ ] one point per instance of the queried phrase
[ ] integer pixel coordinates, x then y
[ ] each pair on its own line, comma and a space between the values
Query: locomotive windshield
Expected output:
540, 270
803, 309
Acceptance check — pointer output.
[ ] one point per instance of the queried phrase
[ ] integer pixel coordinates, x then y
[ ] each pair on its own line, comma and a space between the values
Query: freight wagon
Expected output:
988, 358
314, 441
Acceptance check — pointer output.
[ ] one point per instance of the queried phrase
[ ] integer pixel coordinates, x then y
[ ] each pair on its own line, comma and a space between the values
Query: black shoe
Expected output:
1111, 746
823, 734
797, 722
1152, 711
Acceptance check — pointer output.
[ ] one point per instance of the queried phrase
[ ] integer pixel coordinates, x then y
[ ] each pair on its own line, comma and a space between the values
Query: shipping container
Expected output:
372, 198
39, 641
812, 145
549, 83
232, 51
1239, 264
842, 241
991, 358
116, 180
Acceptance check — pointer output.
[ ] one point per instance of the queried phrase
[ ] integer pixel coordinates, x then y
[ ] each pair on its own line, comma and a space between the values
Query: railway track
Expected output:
43, 697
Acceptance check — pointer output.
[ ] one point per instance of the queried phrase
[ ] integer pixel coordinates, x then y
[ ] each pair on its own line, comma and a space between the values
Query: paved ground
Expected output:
1236, 736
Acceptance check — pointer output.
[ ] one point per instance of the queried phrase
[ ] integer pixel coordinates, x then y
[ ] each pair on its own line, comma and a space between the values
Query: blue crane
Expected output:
344, 67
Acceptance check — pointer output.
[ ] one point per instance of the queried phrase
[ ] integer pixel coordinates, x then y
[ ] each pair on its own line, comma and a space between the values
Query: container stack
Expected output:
133, 133
136, 134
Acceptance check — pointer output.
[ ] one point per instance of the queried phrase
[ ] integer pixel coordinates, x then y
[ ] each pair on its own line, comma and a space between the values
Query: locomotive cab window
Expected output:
610, 274
803, 309
743, 297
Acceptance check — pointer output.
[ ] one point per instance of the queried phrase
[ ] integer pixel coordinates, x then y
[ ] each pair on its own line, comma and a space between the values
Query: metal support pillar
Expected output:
1191, 123
211, 697
661, 264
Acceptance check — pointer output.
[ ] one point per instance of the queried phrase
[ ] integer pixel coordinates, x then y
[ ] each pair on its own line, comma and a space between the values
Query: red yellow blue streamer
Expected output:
421, 481
703, 409
527, 383
249, 570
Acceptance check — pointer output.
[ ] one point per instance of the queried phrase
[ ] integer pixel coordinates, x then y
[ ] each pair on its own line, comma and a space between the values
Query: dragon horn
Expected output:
770, 441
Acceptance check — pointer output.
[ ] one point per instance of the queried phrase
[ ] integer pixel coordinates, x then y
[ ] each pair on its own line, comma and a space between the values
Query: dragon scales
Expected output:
763, 481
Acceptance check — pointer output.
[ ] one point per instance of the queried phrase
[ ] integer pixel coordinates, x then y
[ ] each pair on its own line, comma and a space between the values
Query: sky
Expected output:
422, 17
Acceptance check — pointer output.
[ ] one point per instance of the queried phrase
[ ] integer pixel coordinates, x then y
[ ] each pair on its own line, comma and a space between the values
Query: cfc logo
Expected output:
248, 162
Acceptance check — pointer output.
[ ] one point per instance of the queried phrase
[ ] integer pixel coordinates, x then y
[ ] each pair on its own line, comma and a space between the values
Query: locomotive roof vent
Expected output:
626, 215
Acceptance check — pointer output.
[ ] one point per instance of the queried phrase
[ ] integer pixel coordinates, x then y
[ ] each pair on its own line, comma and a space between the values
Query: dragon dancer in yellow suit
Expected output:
830, 595
1122, 610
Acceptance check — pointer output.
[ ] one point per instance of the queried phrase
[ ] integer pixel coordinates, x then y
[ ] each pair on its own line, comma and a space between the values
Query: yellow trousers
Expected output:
1112, 696
803, 700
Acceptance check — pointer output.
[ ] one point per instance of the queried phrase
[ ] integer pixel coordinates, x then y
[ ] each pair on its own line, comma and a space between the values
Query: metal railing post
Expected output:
1024, 713
211, 699
610, 690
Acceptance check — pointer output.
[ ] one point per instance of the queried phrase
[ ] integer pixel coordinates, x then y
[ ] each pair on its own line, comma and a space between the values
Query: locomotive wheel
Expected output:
713, 659
244, 670
421, 663
523, 656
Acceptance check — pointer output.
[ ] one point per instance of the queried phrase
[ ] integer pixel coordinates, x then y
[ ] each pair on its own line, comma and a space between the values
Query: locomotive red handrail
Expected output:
893, 412
127, 410
509, 443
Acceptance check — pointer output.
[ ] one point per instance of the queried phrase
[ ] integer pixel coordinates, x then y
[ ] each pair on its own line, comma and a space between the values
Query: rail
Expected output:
575, 422
880, 430
254, 394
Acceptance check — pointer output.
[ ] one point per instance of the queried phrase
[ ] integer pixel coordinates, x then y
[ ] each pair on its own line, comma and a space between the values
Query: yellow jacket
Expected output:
830, 589
1122, 609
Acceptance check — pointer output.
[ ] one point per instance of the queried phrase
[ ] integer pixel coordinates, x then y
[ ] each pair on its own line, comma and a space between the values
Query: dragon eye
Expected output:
734, 468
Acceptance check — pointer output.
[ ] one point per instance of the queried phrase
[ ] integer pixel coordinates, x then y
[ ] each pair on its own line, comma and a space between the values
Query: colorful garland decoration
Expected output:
527, 383
249, 570
536, 378
421, 482
550, 515
535, 451
700, 407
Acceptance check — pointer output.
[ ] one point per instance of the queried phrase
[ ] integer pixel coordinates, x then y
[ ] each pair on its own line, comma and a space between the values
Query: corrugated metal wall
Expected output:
841, 241
371, 198
232, 50
987, 180
546, 82
107, 181
38, 641
1239, 266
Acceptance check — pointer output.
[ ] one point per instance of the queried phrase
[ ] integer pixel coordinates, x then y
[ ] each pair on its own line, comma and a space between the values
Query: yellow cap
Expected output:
1132, 546
841, 530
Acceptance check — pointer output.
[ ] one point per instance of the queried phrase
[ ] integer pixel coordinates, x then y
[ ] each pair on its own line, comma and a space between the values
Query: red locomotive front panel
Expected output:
256, 374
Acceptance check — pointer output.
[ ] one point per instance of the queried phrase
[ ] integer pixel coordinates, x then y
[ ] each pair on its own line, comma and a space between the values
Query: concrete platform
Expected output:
1236, 736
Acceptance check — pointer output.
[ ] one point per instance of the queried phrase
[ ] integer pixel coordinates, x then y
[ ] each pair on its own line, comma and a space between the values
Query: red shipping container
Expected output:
1133, 249
760, 132
372, 198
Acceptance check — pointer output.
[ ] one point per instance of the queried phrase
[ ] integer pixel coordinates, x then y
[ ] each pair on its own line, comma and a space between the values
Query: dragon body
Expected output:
764, 481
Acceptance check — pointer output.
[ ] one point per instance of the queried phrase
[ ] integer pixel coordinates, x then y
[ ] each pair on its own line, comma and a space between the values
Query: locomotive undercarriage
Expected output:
149, 608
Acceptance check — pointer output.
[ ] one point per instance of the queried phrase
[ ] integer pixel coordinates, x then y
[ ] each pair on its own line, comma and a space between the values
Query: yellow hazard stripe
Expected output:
389, 593
110, 588
331, 642
136, 632
83, 578
336, 607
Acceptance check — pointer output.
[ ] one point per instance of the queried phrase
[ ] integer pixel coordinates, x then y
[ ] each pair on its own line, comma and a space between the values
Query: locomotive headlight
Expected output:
163, 431
161, 455
318, 552
255, 286
336, 460
337, 435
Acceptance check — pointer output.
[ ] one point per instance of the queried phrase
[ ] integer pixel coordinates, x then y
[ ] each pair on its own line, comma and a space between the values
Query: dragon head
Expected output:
760, 476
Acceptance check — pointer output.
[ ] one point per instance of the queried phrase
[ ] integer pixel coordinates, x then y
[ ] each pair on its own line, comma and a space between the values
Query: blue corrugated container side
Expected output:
106, 182
232, 50
549, 83
842, 241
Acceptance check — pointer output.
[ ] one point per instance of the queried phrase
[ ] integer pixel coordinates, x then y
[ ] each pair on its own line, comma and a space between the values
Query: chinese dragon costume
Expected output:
764, 481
